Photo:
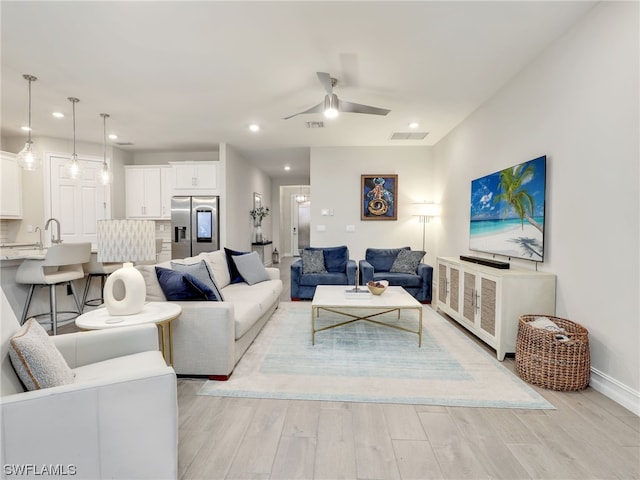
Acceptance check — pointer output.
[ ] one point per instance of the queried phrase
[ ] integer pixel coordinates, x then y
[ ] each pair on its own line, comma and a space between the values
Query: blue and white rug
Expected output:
364, 362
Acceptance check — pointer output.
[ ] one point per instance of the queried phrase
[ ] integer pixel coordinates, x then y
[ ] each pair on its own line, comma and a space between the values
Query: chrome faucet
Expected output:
46, 227
39, 230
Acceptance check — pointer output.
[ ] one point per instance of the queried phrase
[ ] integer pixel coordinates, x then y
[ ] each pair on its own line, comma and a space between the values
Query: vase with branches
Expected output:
258, 214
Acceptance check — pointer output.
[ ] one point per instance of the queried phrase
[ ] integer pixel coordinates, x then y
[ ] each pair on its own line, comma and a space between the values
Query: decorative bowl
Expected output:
377, 288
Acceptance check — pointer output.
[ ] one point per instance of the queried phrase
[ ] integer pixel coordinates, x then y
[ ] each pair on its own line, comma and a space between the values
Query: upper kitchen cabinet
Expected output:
195, 177
143, 190
11, 191
166, 189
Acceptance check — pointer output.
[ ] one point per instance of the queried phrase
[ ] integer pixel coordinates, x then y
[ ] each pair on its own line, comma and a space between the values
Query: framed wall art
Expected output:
378, 194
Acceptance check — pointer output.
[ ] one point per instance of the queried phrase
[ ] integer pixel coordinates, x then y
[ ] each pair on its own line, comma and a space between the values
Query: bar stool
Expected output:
61, 265
96, 269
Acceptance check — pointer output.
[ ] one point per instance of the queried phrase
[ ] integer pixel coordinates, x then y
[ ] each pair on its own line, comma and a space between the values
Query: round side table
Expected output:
160, 313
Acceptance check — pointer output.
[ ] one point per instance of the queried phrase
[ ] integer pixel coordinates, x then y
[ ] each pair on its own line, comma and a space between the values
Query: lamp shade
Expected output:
125, 241
426, 210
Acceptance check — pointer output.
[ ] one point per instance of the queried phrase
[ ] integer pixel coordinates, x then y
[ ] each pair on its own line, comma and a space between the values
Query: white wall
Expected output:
335, 184
578, 104
242, 180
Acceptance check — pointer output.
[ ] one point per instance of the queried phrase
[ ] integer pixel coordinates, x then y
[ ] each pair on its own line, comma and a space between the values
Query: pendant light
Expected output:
301, 197
74, 165
26, 158
105, 174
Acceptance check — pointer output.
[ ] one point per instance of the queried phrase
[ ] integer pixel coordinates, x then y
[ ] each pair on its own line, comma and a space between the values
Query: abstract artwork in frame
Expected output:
378, 197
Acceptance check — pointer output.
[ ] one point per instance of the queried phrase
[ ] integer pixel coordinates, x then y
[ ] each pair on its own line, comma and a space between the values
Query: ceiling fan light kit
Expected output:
332, 106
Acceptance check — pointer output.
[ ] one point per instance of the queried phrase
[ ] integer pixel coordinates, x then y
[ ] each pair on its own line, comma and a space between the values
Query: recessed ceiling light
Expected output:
58, 114
254, 127
414, 125
113, 136
287, 167
24, 128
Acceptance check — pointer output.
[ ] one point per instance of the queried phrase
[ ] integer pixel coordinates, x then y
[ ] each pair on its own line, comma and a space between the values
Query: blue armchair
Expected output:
377, 266
338, 270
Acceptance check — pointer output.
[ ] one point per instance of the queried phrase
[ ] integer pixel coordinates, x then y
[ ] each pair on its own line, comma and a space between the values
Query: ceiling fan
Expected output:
332, 106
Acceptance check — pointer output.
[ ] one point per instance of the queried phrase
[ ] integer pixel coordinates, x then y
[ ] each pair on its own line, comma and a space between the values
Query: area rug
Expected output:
364, 362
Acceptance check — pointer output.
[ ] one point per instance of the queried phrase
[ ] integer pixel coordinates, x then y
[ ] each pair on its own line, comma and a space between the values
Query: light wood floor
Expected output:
588, 436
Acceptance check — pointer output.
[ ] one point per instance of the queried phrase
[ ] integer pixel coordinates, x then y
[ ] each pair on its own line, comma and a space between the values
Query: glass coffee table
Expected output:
333, 298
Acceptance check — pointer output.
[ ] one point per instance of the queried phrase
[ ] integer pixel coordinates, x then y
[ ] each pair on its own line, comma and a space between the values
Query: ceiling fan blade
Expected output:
315, 109
325, 80
344, 106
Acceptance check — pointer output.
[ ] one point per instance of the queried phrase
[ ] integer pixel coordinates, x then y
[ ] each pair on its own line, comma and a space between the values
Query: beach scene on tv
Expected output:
507, 211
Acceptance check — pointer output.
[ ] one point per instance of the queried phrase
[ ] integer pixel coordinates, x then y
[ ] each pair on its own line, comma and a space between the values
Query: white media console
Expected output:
489, 301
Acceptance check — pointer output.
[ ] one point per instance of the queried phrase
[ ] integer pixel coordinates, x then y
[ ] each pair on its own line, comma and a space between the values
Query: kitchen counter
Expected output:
21, 252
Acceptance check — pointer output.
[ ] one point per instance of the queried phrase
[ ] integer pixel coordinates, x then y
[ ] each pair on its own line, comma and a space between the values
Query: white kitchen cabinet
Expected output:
166, 191
143, 190
11, 193
489, 301
195, 176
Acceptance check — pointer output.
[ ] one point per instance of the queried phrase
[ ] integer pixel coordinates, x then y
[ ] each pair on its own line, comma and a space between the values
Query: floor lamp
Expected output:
425, 212
125, 241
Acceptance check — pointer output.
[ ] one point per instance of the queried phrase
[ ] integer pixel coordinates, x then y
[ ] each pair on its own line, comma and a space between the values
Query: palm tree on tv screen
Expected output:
517, 197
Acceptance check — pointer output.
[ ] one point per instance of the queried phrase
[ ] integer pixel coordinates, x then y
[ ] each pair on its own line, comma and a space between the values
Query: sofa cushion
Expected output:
219, 268
407, 261
36, 359
313, 261
251, 268
313, 279
179, 286
399, 279
265, 294
234, 274
381, 259
199, 270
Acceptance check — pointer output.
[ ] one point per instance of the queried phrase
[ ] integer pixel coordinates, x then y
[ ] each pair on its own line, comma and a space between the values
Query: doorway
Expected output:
300, 224
77, 203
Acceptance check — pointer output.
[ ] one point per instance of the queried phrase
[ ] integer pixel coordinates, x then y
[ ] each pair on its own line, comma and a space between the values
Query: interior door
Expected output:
78, 204
300, 225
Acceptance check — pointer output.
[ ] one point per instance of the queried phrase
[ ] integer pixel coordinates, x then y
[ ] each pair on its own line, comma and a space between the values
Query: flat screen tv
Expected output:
507, 211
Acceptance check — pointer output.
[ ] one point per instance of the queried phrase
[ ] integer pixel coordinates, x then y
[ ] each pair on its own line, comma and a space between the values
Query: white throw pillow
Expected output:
218, 262
251, 268
154, 291
36, 359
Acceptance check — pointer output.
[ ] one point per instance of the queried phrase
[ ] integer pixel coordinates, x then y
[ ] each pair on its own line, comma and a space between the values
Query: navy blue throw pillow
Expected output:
233, 270
178, 286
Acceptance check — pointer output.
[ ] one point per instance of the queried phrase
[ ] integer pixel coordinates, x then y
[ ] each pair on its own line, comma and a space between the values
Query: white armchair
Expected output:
118, 419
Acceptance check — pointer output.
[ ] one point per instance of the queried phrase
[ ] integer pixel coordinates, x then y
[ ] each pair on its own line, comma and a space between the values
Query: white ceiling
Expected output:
185, 76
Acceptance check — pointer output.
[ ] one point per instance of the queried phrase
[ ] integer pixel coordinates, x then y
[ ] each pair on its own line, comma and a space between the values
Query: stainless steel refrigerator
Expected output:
195, 226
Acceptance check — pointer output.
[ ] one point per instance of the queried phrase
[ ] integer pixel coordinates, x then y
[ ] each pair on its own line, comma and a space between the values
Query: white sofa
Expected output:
210, 337
118, 419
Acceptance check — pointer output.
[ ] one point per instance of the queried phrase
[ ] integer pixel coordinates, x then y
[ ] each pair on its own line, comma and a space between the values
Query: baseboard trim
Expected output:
615, 390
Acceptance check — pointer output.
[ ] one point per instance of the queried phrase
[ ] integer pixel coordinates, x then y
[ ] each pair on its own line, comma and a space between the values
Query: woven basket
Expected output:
543, 360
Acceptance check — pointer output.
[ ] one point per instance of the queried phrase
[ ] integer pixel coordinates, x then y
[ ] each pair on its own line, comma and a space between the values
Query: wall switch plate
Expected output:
324, 212
351, 228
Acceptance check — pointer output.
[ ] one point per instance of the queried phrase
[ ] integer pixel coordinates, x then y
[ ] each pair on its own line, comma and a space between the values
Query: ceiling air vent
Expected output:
409, 135
315, 124
123, 144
